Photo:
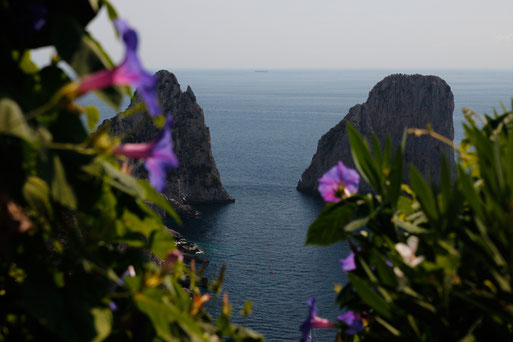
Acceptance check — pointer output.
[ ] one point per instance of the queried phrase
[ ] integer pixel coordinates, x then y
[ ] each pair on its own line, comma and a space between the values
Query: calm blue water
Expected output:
265, 128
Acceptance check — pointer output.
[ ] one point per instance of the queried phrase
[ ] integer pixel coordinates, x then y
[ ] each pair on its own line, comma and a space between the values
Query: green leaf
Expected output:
154, 197
356, 224
466, 186
159, 315
150, 302
424, 193
161, 242
62, 192
37, 194
12, 121
376, 149
123, 182
247, 335
328, 228
102, 323
388, 326
93, 115
26, 63
95, 5
396, 177
113, 14
247, 308
369, 296
387, 152
409, 227
363, 160
385, 272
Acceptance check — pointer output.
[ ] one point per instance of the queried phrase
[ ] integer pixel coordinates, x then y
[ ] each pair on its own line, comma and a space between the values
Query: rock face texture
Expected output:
196, 180
397, 102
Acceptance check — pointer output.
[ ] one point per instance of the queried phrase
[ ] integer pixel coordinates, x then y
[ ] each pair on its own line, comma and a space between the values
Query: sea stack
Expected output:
395, 103
196, 180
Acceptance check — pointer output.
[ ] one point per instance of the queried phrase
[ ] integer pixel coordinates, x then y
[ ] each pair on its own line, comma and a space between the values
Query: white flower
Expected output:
407, 251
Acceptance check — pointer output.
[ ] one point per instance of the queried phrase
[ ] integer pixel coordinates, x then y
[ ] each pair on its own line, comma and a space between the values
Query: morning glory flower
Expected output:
312, 321
158, 155
338, 183
348, 263
129, 72
407, 251
353, 321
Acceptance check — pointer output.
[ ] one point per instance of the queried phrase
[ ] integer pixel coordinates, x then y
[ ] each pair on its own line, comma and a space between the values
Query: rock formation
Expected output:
396, 102
196, 180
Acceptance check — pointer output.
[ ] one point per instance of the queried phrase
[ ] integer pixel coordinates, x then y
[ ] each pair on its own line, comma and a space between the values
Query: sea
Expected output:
264, 129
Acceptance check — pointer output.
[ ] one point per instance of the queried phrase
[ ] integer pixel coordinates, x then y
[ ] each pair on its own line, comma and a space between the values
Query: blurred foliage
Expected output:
456, 284
80, 248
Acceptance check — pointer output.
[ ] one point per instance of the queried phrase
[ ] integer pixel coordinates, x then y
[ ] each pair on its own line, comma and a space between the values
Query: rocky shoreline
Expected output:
190, 250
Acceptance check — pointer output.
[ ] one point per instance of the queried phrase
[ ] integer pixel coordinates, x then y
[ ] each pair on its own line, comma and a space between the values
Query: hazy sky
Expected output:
266, 34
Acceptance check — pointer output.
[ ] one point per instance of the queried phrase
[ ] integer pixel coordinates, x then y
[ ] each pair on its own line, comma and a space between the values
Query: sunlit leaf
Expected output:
93, 115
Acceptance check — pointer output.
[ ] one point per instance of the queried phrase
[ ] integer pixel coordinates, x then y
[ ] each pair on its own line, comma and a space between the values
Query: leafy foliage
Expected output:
433, 263
80, 248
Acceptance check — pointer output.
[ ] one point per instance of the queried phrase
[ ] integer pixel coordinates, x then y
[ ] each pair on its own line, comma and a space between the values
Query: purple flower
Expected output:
158, 155
338, 183
348, 263
312, 321
129, 72
36, 15
113, 306
353, 321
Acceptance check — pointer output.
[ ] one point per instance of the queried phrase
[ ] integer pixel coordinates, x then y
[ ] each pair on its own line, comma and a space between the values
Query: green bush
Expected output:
77, 235
427, 263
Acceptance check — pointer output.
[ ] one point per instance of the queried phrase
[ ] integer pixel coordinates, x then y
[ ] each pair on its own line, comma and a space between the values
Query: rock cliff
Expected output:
396, 102
196, 180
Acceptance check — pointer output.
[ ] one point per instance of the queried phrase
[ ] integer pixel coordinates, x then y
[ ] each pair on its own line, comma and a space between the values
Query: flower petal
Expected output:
413, 243
348, 263
353, 321
338, 182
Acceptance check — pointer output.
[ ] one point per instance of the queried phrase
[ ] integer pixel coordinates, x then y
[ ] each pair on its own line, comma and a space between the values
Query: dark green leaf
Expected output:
159, 315
424, 193
363, 160
123, 182
62, 192
385, 272
154, 197
369, 296
37, 195
328, 228
396, 177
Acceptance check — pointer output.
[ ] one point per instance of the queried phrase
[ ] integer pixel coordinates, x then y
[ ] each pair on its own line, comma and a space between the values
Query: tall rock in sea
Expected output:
395, 103
196, 180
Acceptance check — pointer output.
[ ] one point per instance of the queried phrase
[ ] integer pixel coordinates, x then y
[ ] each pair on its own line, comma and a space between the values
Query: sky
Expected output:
316, 34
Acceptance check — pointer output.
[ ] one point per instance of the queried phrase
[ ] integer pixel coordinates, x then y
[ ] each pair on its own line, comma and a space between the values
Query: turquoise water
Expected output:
264, 129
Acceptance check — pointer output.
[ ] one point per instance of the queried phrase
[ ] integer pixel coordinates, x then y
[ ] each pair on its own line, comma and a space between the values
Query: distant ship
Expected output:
261, 70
